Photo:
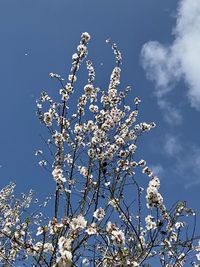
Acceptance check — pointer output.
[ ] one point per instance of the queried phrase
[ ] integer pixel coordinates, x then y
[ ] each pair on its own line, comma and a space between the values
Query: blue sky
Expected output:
160, 44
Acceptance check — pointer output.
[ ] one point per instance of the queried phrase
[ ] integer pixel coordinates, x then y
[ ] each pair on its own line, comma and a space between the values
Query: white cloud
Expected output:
161, 67
172, 145
166, 65
171, 114
185, 160
158, 170
189, 166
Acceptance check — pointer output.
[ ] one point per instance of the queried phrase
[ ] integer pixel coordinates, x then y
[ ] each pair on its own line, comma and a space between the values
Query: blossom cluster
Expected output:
98, 217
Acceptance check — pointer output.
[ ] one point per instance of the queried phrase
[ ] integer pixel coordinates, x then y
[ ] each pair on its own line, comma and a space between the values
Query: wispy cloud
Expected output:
158, 170
172, 145
185, 159
167, 64
161, 66
189, 166
171, 114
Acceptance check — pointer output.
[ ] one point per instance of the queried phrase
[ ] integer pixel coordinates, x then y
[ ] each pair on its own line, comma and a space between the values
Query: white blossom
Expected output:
99, 214
78, 223
58, 175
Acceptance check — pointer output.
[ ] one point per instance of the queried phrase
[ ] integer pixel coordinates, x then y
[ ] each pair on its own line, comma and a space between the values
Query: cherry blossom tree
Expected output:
100, 214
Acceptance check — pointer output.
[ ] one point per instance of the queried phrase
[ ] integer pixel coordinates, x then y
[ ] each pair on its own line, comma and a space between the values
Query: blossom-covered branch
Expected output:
101, 216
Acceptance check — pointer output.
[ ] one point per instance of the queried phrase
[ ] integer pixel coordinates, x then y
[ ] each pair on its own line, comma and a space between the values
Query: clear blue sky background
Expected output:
38, 37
